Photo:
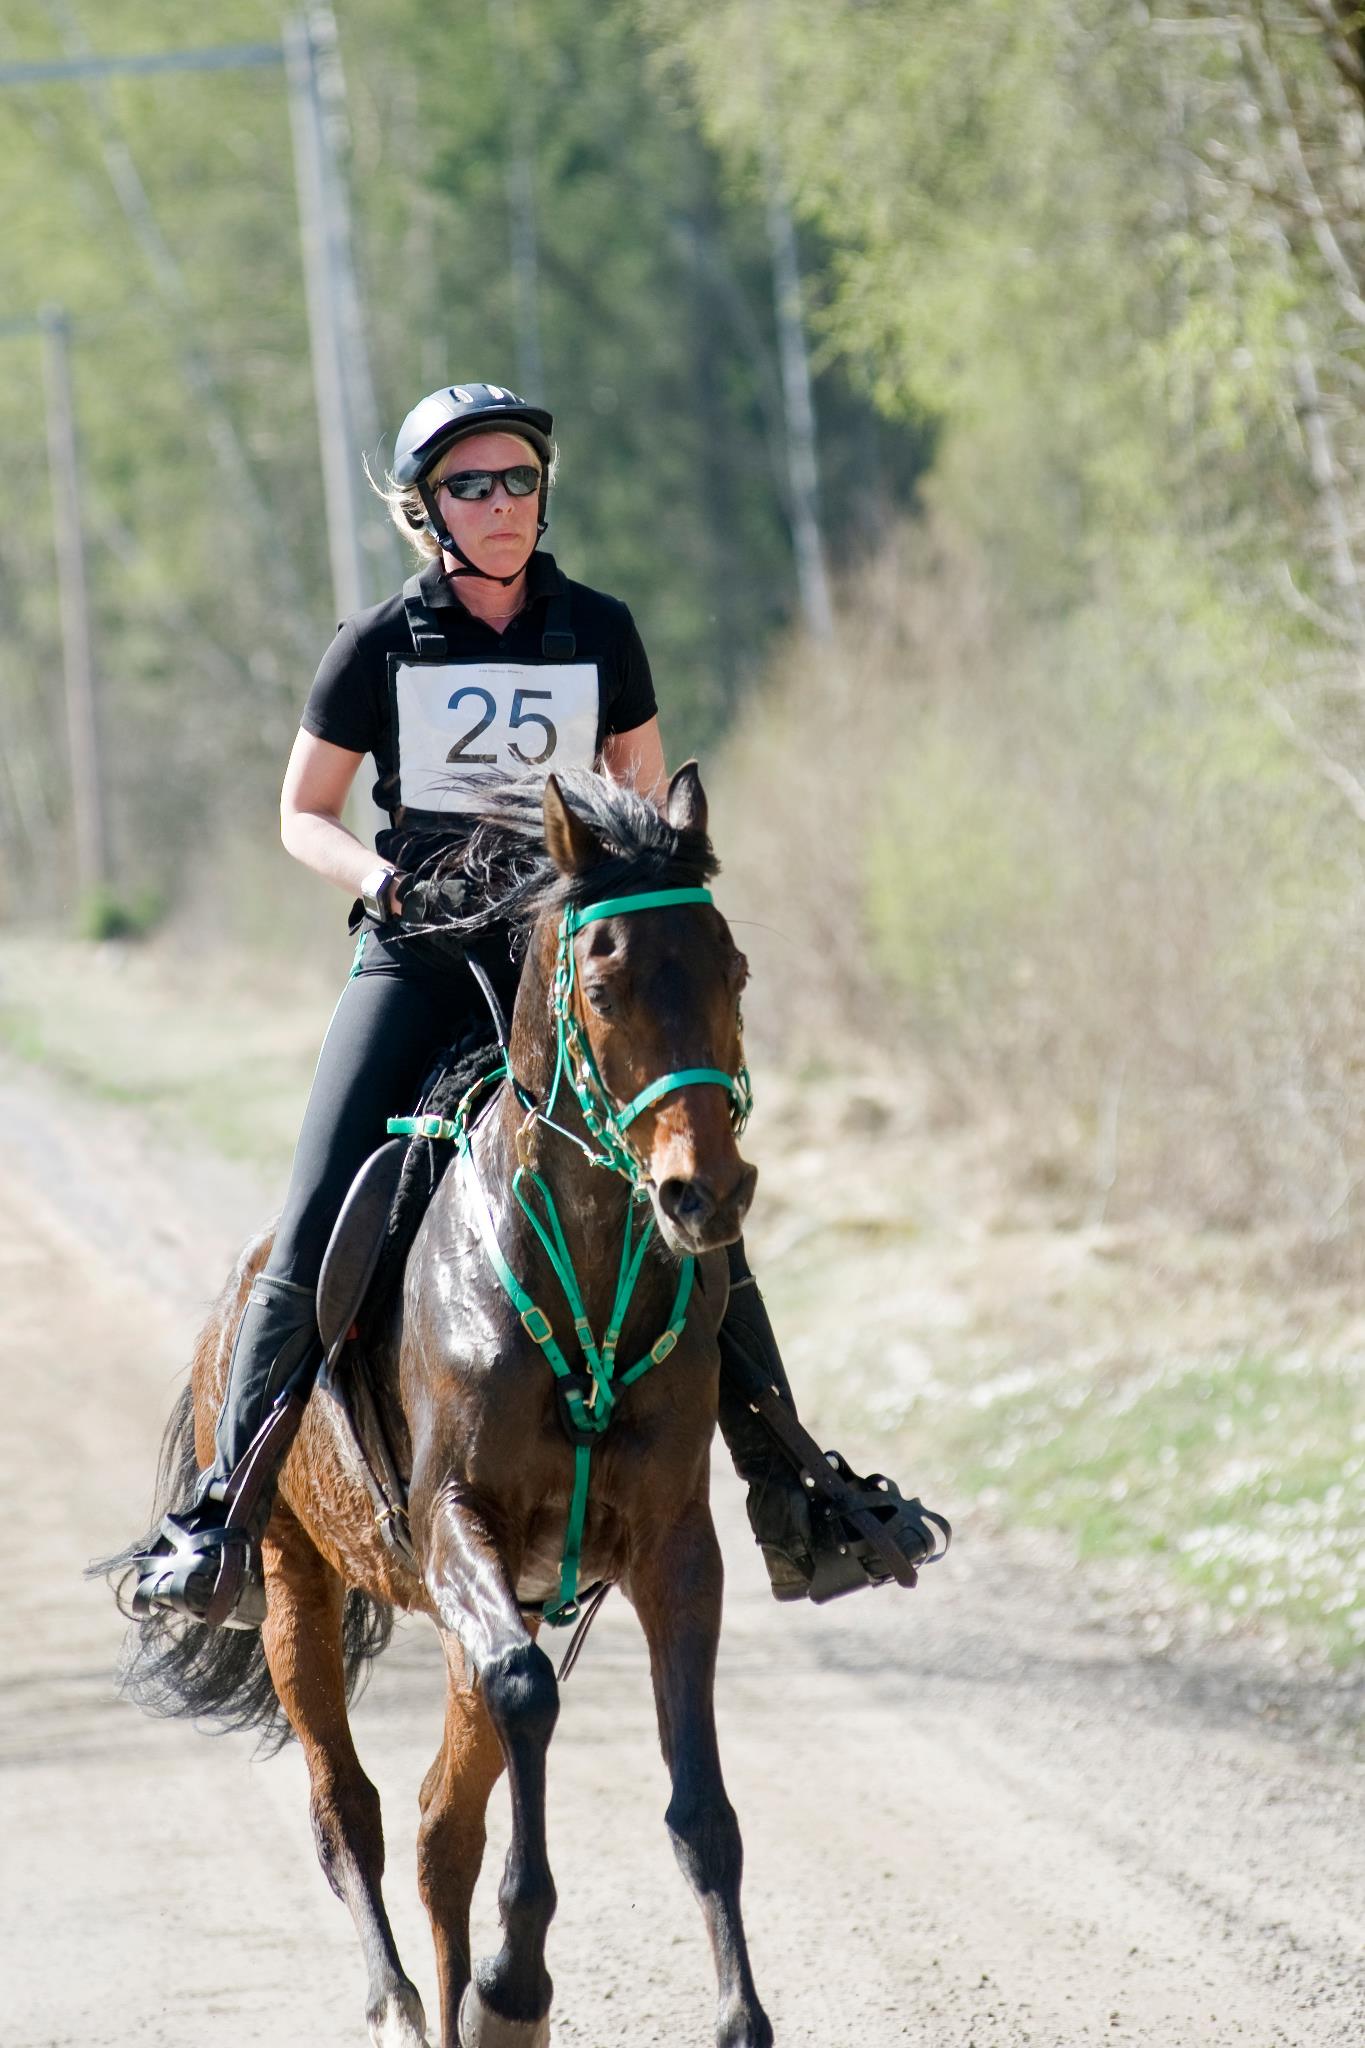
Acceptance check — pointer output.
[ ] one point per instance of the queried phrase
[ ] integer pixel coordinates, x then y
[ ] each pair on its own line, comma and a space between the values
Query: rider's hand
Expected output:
428, 903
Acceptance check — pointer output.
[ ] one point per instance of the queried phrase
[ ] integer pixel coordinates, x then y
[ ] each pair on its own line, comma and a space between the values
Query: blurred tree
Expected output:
1119, 256
1116, 254
654, 320
510, 152
143, 216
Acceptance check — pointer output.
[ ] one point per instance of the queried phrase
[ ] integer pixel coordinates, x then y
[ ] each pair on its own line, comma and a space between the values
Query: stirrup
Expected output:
863, 1531
840, 1554
211, 1574
872, 1537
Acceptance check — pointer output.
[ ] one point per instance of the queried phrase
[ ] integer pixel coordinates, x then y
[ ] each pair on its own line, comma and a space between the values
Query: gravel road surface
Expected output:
976, 1816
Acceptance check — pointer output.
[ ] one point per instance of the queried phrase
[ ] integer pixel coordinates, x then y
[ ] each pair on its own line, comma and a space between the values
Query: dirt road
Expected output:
975, 1816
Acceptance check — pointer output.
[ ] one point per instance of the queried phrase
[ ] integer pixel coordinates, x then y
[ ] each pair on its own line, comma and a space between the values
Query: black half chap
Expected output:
403, 1005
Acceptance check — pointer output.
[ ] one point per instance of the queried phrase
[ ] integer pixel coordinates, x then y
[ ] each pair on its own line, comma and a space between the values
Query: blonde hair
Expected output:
409, 514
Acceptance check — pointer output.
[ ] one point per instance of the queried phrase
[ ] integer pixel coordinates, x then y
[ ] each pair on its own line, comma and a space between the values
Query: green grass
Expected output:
1216, 1480
1241, 1477
205, 1055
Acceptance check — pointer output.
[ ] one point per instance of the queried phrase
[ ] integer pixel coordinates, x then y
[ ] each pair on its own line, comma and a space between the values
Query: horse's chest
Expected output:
538, 1578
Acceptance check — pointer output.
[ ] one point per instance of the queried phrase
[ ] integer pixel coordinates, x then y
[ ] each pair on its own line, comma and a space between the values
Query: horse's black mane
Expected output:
516, 883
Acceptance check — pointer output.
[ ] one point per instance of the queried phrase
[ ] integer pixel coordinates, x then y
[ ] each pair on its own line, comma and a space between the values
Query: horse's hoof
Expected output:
481, 2027
398, 2021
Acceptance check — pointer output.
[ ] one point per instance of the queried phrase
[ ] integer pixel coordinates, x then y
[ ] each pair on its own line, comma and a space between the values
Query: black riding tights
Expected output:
403, 1004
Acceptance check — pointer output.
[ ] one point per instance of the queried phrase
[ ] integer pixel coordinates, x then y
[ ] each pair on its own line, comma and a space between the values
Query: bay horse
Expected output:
631, 976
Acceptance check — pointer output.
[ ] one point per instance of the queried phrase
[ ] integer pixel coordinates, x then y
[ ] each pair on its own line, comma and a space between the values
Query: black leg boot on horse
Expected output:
822, 1529
206, 1561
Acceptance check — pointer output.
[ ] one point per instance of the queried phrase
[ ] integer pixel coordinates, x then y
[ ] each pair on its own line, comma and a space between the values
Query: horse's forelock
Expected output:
518, 883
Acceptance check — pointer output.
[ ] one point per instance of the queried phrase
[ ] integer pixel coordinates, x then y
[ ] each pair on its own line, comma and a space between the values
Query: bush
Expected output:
105, 914
1070, 865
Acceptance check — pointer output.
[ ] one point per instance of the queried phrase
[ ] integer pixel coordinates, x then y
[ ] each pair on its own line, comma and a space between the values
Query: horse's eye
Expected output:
739, 971
599, 998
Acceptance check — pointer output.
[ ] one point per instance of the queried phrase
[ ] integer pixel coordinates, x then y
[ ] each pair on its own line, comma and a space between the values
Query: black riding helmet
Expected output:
440, 419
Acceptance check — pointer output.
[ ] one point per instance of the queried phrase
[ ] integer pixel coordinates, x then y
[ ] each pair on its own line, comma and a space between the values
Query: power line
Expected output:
90, 66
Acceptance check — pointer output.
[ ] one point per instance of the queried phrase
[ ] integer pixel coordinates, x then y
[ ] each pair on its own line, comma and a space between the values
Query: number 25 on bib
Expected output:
454, 719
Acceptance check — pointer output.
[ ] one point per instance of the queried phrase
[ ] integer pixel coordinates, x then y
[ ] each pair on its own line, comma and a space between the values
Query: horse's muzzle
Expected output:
696, 1217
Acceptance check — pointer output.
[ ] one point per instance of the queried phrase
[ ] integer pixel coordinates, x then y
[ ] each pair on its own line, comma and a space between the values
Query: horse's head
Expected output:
652, 991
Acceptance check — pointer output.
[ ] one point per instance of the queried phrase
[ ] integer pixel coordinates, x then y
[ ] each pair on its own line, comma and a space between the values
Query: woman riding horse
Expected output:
545, 672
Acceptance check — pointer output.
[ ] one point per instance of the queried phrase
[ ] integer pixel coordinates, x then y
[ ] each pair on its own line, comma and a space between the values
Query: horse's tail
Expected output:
175, 1667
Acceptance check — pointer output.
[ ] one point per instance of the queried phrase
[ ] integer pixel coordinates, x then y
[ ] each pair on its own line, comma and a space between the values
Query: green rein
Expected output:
589, 1395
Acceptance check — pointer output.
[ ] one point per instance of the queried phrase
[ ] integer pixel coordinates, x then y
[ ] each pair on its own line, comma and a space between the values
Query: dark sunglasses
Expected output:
471, 484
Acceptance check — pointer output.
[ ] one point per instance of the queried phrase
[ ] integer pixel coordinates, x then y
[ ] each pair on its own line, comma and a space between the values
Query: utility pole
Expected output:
803, 466
324, 268
78, 669
379, 545
342, 391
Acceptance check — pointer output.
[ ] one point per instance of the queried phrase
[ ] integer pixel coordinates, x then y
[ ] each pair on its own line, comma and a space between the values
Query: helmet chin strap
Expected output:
445, 540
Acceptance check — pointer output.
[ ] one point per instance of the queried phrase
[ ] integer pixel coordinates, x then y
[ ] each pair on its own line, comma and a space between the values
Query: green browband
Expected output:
615, 906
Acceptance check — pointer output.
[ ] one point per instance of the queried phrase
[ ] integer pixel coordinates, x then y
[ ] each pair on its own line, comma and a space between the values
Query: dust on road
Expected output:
975, 1816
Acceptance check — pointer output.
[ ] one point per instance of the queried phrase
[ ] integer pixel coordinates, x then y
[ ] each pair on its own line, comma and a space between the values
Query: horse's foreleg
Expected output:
302, 1642
450, 1842
507, 2005
676, 1589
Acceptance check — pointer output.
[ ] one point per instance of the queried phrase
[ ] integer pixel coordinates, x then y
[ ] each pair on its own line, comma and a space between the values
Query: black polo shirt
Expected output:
351, 701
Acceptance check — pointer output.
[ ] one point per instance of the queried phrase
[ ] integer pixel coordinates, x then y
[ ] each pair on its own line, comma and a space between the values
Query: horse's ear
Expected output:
570, 843
686, 805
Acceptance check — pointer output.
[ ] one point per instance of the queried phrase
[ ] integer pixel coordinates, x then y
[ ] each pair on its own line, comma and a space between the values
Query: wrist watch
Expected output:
374, 893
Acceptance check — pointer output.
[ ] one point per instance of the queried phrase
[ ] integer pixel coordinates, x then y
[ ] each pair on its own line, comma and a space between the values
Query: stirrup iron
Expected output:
864, 1531
223, 1556
225, 1562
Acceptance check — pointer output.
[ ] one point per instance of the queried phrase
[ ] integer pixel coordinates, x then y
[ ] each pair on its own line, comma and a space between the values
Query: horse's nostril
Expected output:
686, 1201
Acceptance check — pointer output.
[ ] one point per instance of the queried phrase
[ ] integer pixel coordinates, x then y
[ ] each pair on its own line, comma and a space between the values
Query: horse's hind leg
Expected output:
676, 1590
302, 1642
450, 1842
507, 2004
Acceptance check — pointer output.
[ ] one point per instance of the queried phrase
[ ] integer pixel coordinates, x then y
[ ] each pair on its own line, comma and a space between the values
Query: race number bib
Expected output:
454, 719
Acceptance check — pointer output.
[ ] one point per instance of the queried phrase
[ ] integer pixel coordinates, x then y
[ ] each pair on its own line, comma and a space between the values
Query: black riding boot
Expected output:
822, 1529
206, 1561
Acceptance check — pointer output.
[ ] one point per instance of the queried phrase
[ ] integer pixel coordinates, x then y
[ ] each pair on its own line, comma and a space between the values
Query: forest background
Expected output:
1079, 771
1062, 814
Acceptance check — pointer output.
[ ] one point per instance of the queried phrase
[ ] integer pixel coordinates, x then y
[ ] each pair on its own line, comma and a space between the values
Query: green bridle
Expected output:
607, 1124
588, 1396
